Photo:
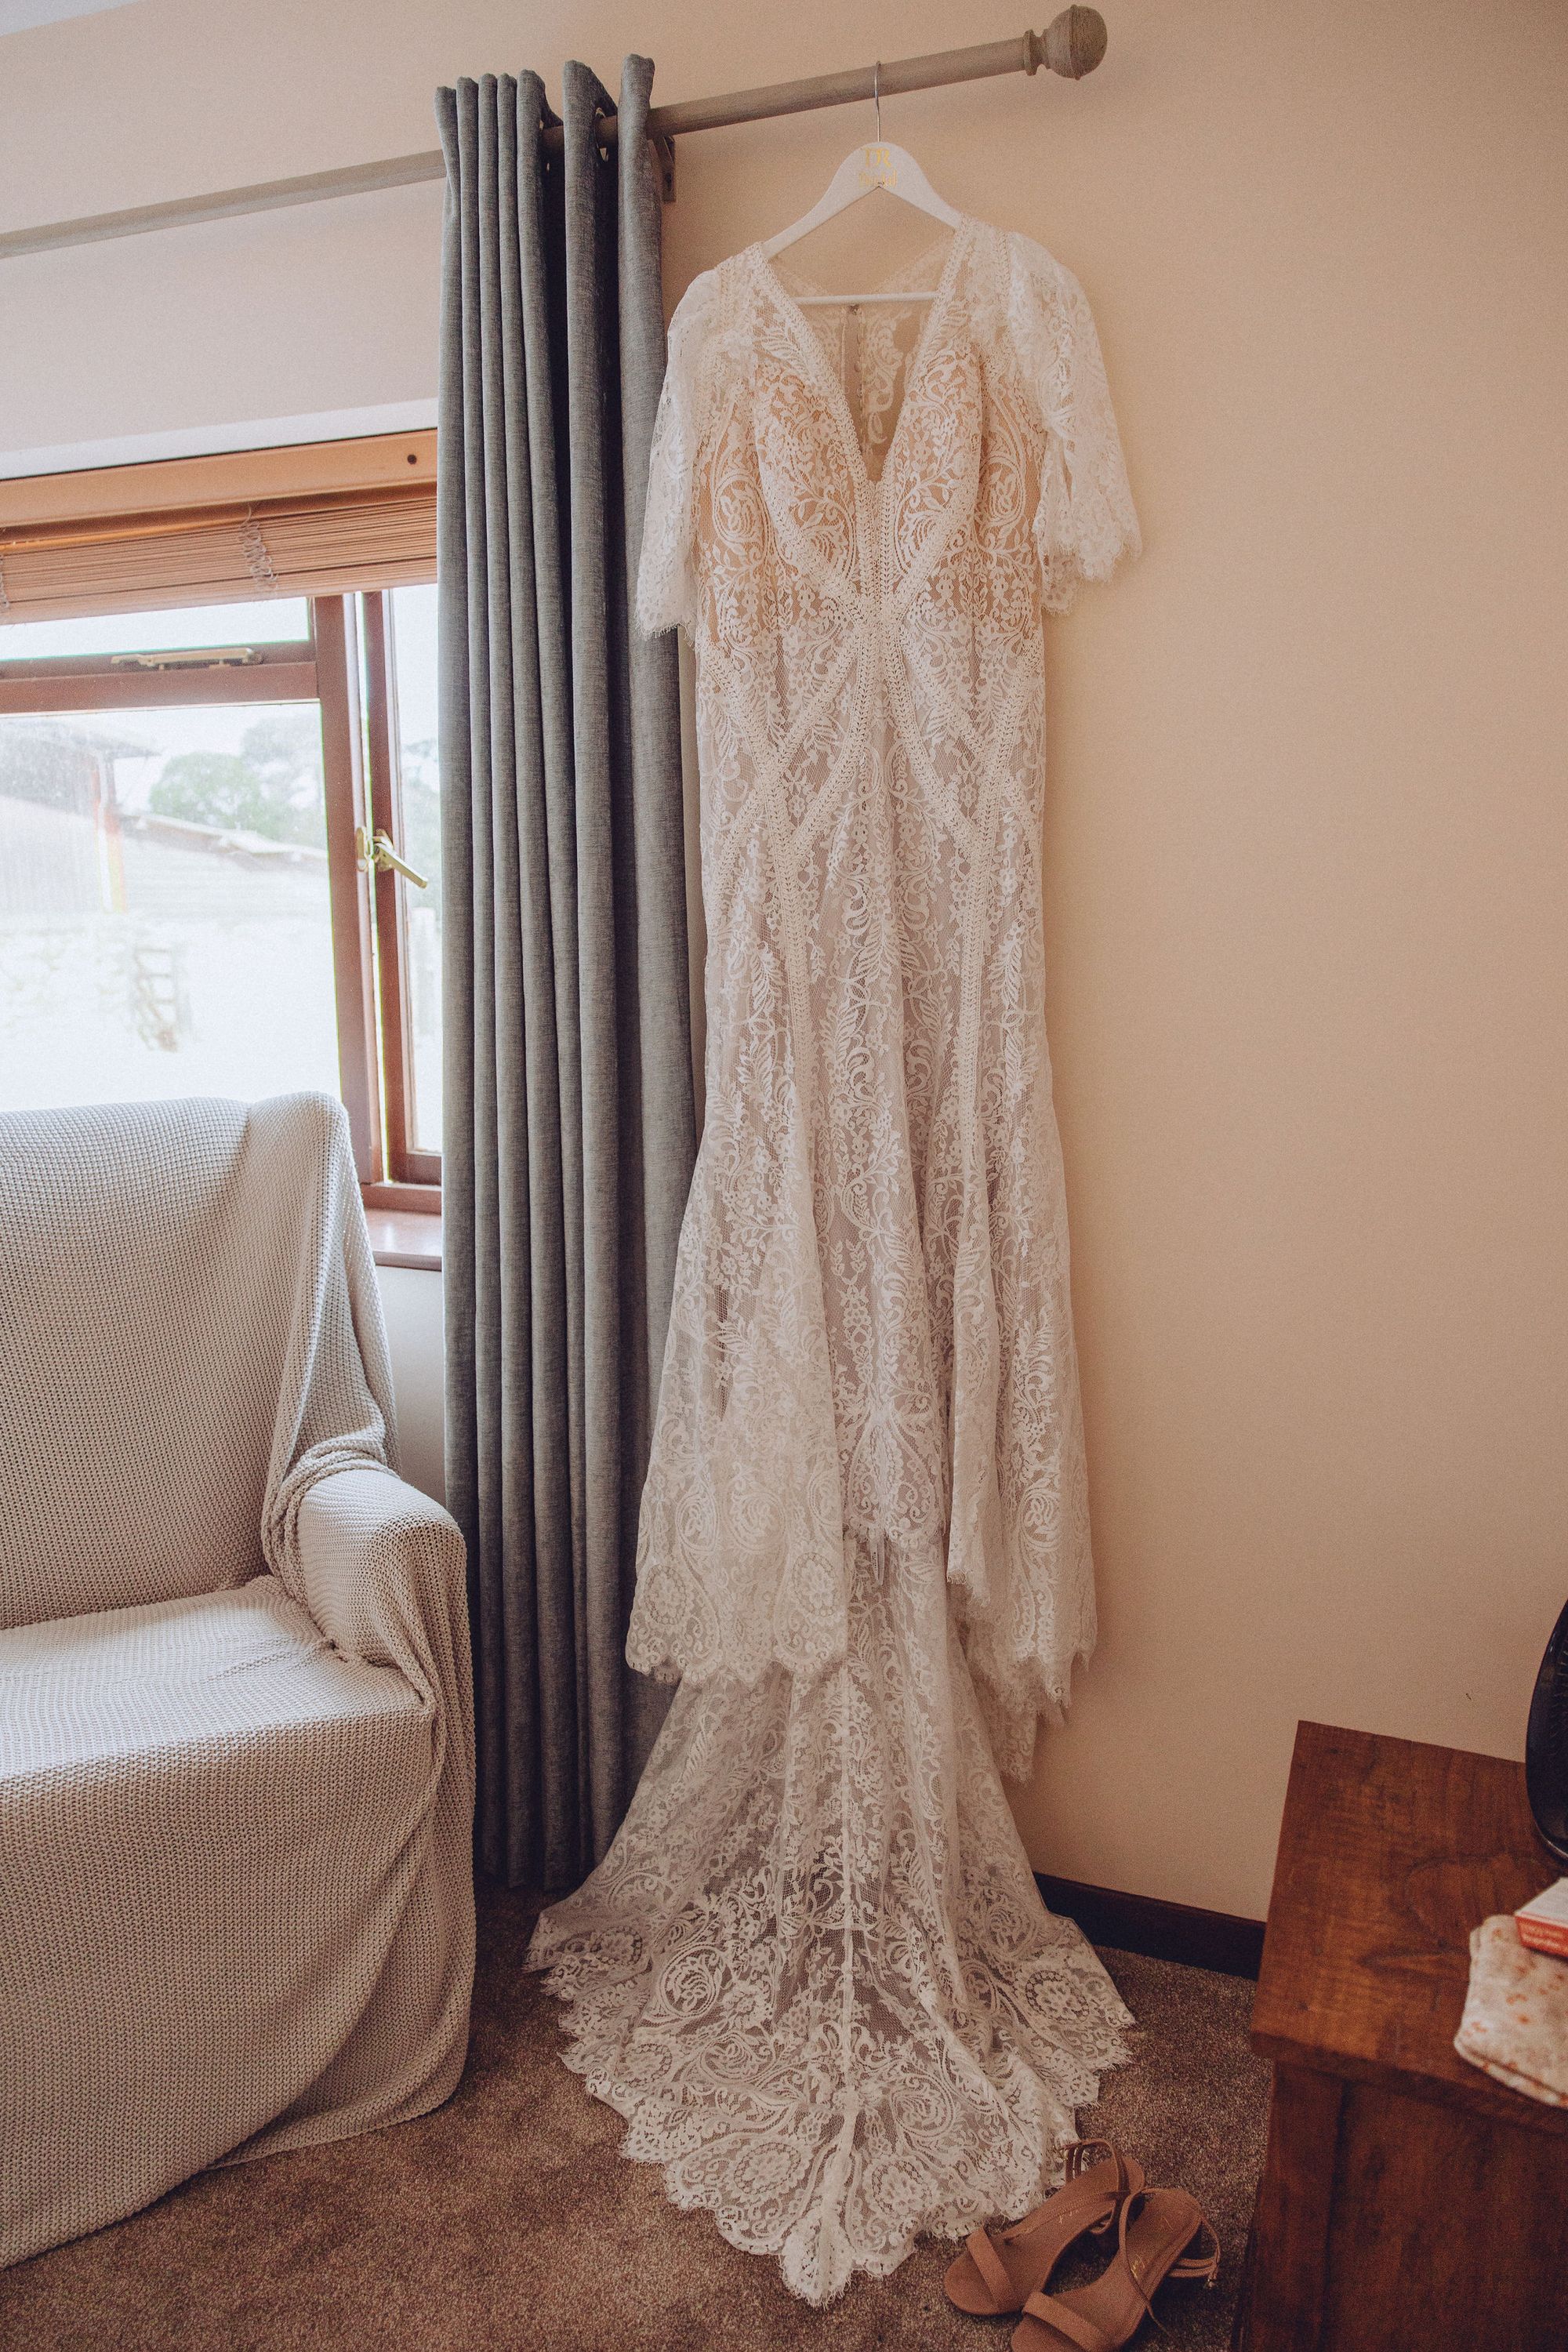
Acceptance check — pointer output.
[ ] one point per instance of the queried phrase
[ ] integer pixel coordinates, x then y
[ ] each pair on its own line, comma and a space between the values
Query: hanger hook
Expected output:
877, 97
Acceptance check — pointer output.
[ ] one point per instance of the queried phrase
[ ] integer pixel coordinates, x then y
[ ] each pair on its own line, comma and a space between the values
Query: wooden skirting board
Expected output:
1160, 1931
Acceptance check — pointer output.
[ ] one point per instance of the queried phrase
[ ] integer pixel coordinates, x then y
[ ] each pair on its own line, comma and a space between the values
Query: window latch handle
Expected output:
375, 850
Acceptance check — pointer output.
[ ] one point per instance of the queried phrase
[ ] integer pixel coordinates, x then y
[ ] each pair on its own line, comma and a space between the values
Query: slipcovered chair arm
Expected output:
382, 1569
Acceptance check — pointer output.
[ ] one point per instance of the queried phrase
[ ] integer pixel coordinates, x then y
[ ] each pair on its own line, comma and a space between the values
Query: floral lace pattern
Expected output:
814, 1970
870, 345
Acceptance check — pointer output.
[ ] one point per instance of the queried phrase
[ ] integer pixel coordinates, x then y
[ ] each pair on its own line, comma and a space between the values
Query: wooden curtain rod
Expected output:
1072, 44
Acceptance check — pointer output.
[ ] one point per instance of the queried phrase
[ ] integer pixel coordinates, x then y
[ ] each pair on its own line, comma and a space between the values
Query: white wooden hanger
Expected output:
879, 165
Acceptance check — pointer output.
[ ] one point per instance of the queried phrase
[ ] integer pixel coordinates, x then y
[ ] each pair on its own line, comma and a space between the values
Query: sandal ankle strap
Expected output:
1186, 2266
1083, 2152
1201, 2265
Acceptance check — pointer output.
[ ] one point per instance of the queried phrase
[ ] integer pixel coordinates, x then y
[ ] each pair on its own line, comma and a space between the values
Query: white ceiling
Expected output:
19, 16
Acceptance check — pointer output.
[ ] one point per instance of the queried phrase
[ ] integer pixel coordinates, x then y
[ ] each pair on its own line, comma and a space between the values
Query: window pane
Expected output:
279, 620
414, 666
164, 916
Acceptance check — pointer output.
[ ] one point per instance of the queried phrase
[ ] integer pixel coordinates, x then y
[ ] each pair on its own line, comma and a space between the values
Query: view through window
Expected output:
187, 802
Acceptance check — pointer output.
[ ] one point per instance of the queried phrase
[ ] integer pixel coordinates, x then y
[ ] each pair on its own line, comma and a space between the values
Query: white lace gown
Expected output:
813, 1971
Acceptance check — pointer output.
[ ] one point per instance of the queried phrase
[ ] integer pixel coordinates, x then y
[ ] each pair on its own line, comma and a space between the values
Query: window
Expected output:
405, 806
219, 863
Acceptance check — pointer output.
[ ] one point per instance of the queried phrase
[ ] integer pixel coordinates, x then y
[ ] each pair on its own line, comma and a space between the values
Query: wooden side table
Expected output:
1408, 2203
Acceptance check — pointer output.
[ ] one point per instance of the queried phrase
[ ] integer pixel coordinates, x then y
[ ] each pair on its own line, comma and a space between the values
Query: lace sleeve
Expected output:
1084, 523
666, 585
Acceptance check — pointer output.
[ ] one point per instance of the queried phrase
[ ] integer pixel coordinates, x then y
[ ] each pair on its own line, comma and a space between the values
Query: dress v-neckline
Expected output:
817, 358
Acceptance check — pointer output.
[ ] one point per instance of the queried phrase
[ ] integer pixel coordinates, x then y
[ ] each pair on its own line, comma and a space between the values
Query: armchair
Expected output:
235, 1718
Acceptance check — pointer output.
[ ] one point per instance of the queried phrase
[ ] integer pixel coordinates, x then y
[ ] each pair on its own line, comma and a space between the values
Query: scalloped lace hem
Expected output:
814, 1973
794, 2235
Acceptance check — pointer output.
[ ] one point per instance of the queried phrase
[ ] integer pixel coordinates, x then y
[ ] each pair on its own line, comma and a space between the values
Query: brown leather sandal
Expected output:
1000, 2269
1154, 2229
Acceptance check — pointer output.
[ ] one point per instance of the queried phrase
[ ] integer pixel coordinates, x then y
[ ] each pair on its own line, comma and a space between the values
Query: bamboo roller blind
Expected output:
219, 530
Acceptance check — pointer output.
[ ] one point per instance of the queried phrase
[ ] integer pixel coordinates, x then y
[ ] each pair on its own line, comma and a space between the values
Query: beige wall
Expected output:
1306, 840
411, 1302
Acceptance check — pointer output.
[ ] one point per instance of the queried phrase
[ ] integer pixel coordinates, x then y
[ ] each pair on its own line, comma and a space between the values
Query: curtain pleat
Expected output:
569, 1118
656, 1050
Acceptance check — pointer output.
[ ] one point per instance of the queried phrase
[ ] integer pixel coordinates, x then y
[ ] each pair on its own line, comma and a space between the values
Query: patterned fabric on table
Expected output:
236, 1736
1515, 2025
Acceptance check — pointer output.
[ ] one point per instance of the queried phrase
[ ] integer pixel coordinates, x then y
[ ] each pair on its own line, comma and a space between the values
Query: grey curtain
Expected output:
568, 1100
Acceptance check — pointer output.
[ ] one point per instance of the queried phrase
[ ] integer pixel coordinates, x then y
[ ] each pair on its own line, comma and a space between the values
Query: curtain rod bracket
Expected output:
663, 146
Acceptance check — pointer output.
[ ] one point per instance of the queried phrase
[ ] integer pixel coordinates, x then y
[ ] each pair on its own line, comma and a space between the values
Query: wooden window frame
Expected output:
368, 963
279, 673
406, 1167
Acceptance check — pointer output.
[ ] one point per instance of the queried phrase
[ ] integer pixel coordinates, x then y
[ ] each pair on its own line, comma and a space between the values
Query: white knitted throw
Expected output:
236, 1717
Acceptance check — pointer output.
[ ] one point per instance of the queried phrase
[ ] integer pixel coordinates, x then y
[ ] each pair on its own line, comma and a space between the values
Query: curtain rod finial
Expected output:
1075, 42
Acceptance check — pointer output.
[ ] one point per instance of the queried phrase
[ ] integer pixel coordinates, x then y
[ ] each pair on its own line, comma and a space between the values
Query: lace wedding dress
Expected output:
813, 1971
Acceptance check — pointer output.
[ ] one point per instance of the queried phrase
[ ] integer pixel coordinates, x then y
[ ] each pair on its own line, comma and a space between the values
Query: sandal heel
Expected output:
1156, 2228
999, 2269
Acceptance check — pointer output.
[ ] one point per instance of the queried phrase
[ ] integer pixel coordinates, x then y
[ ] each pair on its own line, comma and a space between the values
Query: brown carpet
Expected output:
508, 2221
